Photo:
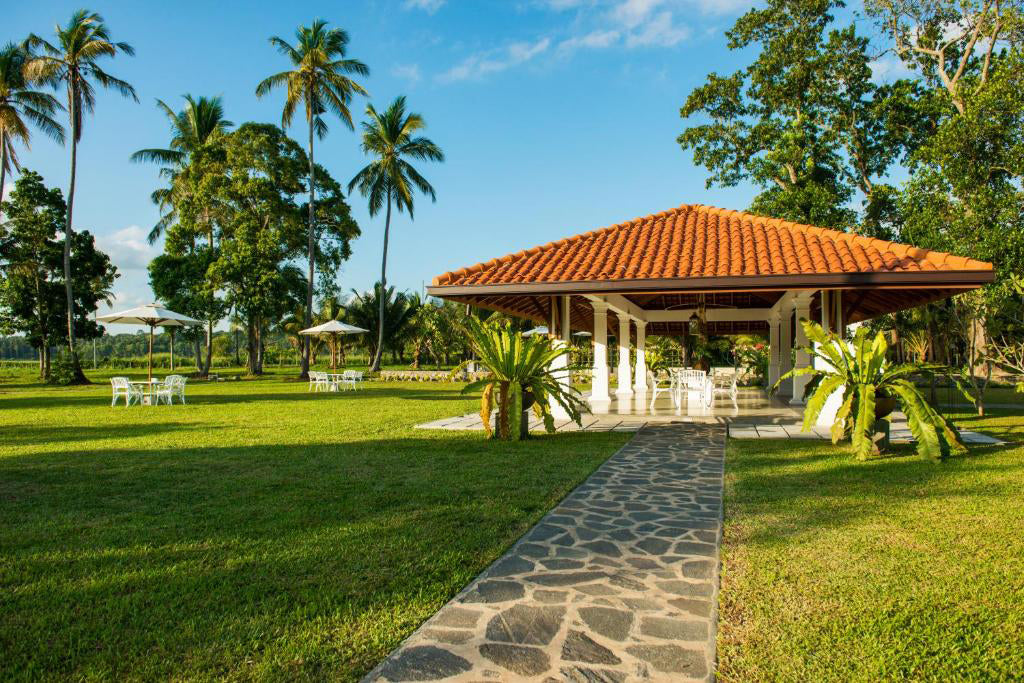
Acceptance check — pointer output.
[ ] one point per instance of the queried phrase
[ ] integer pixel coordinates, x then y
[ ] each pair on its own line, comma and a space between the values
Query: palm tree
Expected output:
19, 106
73, 64
390, 178
319, 82
192, 128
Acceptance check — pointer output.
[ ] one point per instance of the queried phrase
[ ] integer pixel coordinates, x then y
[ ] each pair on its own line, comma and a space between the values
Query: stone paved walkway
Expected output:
618, 583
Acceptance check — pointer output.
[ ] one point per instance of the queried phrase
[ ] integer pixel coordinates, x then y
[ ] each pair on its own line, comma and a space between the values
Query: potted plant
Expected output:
873, 387
520, 377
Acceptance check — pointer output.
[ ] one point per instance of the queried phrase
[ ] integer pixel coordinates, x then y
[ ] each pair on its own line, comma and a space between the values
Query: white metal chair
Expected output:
348, 380
661, 385
122, 388
726, 384
174, 387
319, 381
693, 383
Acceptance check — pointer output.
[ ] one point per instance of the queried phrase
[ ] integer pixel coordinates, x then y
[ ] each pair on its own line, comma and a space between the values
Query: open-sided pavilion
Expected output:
749, 274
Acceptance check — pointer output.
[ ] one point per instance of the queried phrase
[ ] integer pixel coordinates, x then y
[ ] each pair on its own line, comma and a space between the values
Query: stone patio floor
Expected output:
737, 428
618, 583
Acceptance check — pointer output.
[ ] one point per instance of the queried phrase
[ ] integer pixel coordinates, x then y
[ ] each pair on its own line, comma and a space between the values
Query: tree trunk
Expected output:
199, 357
204, 368
68, 233
375, 366
3, 167
304, 374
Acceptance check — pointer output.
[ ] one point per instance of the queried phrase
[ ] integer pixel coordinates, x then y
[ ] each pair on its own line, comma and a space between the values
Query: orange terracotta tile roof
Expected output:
697, 241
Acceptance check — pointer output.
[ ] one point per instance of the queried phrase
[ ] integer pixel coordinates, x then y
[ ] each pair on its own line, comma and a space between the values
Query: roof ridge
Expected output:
869, 254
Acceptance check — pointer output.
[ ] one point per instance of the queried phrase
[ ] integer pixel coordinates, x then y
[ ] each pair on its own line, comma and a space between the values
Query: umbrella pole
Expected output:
151, 353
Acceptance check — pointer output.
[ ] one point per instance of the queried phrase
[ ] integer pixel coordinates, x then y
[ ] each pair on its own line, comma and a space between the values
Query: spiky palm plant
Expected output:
521, 374
73, 63
862, 370
200, 122
390, 138
21, 105
320, 81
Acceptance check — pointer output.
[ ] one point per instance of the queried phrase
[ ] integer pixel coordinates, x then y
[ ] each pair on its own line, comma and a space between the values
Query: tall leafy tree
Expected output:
320, 83
262, 231
391, 139
193, 155
20, 105
31, 261
803, 121
73, 63
198, 124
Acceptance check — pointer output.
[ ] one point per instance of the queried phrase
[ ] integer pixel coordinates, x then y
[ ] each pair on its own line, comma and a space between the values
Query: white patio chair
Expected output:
163, 392
313, 376
661, 385
693, 383
122, 388
726, 384
175, 385
357, 378
348, 380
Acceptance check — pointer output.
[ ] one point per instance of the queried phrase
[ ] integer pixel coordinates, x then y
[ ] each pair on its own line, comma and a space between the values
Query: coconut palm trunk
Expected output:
307, 344
375, 367
3, 166
69, 231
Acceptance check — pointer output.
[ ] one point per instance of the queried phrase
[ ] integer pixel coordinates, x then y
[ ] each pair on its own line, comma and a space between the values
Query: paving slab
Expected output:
618, 583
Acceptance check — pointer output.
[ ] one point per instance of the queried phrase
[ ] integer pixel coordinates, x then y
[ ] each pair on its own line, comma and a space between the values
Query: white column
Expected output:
599, 388
625, 372
560, 340
803, 359
640, 373
785, 345
775, 353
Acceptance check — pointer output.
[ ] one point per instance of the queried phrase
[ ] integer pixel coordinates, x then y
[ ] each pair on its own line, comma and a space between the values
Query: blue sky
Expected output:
556, 116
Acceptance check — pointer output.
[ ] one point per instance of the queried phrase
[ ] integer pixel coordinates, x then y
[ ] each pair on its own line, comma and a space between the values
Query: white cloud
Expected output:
494, 61
407, 72
888, 68
428, 6
660, 30
128, 248
721, 6
595, 40
632, 13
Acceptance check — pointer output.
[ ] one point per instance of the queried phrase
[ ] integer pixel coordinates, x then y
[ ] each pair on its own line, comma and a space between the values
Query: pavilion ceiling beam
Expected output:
712, 315
620, 305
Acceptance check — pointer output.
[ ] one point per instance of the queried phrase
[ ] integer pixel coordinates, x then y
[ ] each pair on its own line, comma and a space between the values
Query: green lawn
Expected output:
895, 569
259, 532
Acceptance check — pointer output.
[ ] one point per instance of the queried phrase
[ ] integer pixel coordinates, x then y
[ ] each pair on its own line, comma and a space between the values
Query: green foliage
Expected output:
62, 370
865, 374
521, 373
803, 121
31, 259
363, 310
21, 105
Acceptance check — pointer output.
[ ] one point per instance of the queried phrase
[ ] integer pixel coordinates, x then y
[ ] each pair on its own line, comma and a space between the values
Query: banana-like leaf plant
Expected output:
872, 386
521, 375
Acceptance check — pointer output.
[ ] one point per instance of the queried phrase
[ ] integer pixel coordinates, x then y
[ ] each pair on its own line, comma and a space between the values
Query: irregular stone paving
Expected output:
617, 583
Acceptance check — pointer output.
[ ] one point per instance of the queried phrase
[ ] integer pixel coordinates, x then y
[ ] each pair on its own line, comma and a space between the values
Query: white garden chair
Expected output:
348, 380
661, 385
173, 387
122, 388
694, 383
726, 384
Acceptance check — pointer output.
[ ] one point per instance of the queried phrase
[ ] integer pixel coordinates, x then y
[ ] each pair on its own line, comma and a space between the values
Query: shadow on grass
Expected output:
283, 561
790, 488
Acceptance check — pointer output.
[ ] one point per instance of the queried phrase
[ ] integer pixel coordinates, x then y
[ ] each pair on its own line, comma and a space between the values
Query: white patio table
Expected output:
148, 387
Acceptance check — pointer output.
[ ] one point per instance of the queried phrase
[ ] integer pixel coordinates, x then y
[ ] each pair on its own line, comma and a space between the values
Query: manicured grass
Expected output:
259, 532
895, 569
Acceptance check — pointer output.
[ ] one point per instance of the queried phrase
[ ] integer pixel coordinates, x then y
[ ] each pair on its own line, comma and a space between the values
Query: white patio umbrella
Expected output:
542, 330
333, 328
153, 315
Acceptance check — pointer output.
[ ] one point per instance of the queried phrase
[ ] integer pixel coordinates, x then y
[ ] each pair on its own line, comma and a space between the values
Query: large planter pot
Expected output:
524, 421
884, 406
